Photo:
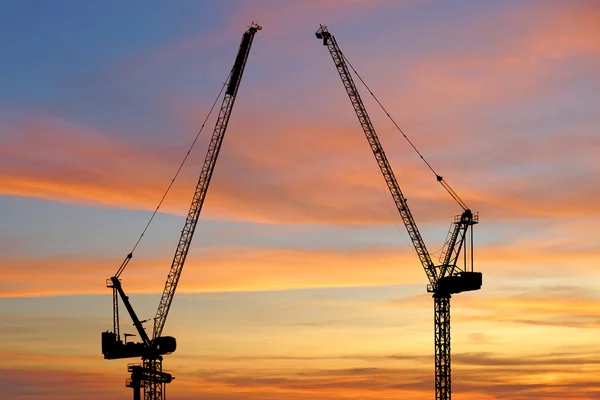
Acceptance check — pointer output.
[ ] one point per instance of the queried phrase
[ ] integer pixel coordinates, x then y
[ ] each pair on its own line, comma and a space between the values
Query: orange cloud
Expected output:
81, 165
565, 30
516, 373
217, 269
488, 377
551, 309
510, 67
53, 384
299, 172
306, 177
547, 251
476, 375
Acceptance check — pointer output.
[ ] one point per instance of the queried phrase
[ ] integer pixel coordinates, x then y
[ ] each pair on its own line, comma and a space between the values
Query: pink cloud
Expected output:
304, 172
306, 176
81, 165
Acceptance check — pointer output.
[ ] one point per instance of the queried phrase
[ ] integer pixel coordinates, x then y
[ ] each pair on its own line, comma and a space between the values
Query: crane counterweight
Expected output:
461, 282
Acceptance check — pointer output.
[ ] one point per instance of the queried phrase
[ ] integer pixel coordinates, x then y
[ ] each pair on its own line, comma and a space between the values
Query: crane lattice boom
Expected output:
377, 149
202, 187
445, 279
149, 375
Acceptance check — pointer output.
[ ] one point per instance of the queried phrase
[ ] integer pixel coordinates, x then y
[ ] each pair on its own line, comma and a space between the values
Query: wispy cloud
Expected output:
217, 269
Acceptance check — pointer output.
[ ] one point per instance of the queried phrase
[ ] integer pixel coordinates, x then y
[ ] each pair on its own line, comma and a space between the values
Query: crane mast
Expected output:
149, 374
444, 279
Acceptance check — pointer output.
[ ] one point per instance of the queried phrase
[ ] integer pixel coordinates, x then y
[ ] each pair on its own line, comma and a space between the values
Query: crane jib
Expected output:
149, 375
204, 180
377, 149
445, 279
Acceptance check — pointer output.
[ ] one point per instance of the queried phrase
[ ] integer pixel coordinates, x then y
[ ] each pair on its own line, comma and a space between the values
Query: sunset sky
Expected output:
301, 282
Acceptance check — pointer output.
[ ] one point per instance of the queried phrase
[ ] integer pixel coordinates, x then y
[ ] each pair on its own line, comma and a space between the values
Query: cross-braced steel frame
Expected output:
154, 389
443, 381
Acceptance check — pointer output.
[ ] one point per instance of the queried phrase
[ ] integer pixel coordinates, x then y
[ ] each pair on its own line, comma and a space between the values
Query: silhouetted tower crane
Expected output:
446, 278
149, 375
